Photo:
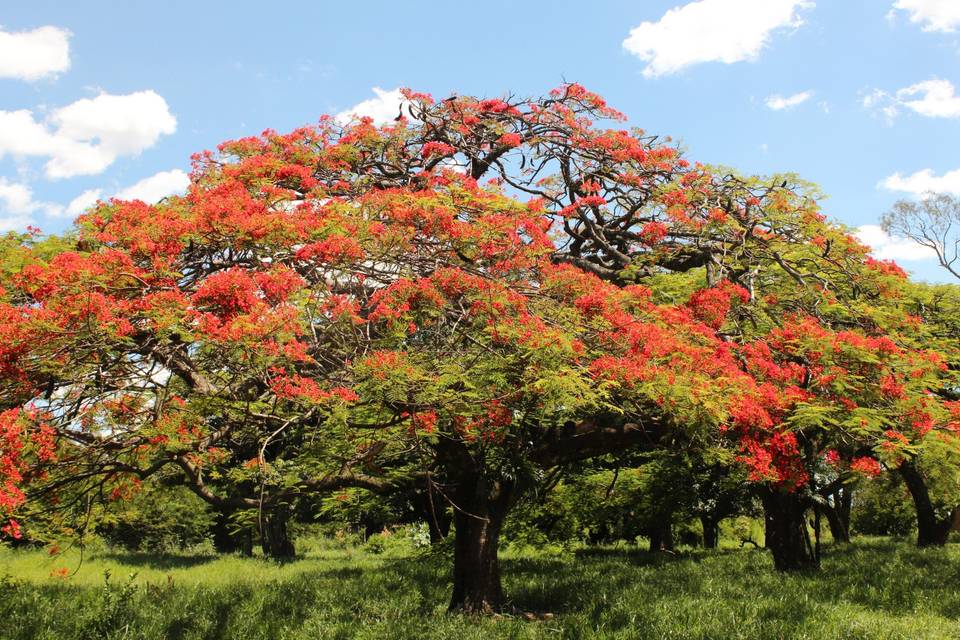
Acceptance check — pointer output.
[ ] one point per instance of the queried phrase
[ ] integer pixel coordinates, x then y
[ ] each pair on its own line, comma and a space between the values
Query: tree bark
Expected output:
786, 530
931, 530
274, 537
711, 531
481, 507
661, 536
838, 515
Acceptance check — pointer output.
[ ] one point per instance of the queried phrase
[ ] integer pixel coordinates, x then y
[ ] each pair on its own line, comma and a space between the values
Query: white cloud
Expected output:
33, 55
87, 136
156, 187
778, 102
151, 189
710, 30
937, 98
934, 98
82, 202
17, 206
887, 247
924, 181
935, 15
383, 109
14, 223
883, 102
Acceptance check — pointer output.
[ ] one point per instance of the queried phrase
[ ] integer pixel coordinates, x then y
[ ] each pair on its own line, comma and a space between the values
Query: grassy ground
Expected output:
872, 589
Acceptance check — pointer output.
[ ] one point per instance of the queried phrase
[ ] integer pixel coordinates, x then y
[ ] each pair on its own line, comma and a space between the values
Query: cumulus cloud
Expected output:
725, 31
924, 181
156, 187
778, 102
886, 247
82, 202
934, 98
33, 55
383, 108
934, 15
87, 136
17, 206
151, 189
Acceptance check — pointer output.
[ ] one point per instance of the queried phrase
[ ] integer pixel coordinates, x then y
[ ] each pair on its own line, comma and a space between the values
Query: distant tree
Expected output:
932, 222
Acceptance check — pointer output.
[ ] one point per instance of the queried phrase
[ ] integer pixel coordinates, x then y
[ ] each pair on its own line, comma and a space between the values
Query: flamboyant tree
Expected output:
269, 338
927, 453
460, 299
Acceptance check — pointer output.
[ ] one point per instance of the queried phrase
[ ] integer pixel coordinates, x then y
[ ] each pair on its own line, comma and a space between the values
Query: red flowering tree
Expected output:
274, 333
347, 306
926, 451
632, 210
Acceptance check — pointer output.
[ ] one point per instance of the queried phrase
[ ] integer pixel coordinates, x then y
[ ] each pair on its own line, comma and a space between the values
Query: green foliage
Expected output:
156, 519
883, 507
399, 541
622, 503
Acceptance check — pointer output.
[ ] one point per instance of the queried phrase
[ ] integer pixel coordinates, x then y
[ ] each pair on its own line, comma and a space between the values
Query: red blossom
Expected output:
511, 139
867, 466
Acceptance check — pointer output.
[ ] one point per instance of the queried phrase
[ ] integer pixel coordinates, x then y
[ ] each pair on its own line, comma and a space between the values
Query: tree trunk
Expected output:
711, 531
846, 503
786, 530
838, 515
661, 536
481, 507
931, 531
274, 537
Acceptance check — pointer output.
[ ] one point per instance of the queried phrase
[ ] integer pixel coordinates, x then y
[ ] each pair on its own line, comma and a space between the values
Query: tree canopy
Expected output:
462, 300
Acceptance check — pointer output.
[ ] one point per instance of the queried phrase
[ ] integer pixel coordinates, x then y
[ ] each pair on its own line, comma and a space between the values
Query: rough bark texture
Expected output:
274, 537
786, 531
482, 505
711, 532
931, 530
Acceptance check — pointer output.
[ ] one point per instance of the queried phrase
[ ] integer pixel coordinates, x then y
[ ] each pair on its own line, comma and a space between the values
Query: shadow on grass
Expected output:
156, 561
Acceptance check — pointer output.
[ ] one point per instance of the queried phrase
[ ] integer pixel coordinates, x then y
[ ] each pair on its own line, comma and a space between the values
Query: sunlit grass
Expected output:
873, 589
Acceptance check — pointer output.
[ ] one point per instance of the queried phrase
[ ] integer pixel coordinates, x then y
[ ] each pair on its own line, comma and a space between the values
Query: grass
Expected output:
872, 589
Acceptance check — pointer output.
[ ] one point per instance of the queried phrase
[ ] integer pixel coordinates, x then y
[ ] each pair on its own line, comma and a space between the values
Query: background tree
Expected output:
932, 222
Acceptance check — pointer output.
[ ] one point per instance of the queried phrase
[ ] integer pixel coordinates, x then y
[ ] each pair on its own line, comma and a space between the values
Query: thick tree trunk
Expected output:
274, 537
786, 530
711, 531
931, 531
661, 536
481, 507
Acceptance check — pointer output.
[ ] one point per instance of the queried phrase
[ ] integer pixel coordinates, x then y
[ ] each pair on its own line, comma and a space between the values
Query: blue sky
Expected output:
110, 98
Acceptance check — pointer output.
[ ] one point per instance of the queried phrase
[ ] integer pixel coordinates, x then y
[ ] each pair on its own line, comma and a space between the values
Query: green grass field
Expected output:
872, 589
